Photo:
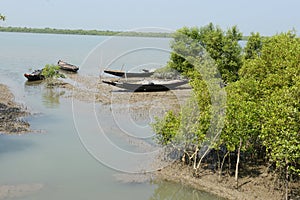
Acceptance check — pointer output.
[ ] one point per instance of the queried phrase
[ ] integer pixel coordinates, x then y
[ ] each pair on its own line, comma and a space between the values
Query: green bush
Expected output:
52, 71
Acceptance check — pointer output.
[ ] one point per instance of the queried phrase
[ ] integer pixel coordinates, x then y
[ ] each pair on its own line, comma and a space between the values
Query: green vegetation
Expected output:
51, 72
253, 47
221, 46
262, 120
83, 32
166, 73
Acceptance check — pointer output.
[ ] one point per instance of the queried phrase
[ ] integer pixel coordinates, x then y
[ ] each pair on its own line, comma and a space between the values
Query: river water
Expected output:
77, 149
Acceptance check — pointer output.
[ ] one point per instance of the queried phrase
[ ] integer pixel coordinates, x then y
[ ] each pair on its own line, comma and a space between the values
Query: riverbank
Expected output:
89, 89
11, 114
257, 185
260, 187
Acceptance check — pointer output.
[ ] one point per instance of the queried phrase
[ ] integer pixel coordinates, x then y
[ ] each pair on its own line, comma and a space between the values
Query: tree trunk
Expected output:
229, 165
237, 164
287, 181
195, 157
221, 168
203, 156
219, 161
183, 158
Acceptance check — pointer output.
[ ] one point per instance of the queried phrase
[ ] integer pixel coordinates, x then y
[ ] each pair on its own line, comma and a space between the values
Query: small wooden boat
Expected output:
66, 66
124, 74
35, 75
148, 86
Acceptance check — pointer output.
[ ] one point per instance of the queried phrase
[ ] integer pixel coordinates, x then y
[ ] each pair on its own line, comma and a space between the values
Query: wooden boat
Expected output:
66, 66
148, 86
35, 75
123, 74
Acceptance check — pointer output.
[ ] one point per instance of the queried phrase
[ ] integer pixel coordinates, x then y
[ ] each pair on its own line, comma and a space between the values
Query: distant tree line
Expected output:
86, 32
261, 114
83, 32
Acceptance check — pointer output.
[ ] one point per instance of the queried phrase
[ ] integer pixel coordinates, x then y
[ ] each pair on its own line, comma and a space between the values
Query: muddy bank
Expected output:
92, 89
11, 122
251, 188
11, 113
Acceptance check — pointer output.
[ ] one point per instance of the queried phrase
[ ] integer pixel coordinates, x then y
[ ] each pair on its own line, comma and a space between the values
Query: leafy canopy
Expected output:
263, 94
212, 41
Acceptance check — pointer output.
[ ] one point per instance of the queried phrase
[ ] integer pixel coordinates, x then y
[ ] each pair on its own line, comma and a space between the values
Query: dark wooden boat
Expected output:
148, 86
35, 75
123, 74
66, 66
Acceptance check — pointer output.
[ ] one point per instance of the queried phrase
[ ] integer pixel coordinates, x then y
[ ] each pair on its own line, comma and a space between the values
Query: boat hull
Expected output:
147, 87
124, 74
67, 67
35, 76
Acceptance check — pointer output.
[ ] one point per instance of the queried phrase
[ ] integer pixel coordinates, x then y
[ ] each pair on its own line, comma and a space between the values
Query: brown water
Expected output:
78, 149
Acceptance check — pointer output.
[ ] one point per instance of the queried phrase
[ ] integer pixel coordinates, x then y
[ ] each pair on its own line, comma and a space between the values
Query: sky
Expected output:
267, 17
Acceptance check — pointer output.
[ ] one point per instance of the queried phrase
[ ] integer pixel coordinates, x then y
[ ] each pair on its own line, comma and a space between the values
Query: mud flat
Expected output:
251, 187
11, 113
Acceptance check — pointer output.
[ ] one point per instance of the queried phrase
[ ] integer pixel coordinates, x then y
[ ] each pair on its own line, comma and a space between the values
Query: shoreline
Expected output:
261, 186
251, 188
11, 114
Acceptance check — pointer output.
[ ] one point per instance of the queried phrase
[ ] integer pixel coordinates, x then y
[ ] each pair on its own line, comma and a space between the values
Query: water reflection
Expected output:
173, 191
50, 96
33, 87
